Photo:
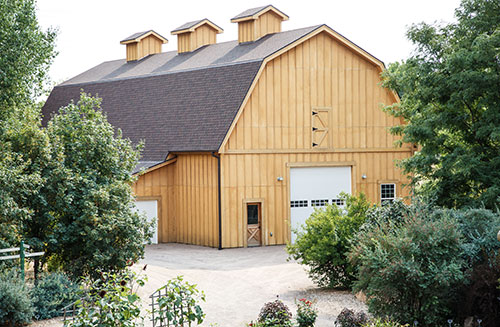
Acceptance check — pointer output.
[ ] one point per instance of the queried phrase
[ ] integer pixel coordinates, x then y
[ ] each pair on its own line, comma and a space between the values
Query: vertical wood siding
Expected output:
275, 130
188, 191
191, 41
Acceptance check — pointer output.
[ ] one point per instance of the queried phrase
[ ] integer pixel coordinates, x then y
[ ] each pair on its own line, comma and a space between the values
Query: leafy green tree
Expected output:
450, 103
26, 52
89, 195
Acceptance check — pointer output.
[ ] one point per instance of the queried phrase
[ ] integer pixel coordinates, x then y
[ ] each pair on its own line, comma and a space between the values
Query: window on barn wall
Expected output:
320, 128
387, 193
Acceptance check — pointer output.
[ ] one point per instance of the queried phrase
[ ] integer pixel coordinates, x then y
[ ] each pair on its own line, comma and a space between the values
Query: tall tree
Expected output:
26, 53
450, 102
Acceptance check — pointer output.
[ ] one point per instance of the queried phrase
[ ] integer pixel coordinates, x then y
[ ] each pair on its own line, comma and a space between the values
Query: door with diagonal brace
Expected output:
254, 222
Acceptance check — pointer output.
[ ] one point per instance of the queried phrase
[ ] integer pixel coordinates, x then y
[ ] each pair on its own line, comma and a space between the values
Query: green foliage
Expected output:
88, 193
275, 314
323, 242
306, 313
16, 308
110, 301
52, 293
408, 268
179, 305
349, 318
26, 52
379, 322
450, 103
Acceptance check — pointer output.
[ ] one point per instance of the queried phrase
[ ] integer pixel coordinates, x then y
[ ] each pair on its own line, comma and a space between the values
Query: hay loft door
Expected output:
315, 187
254, 224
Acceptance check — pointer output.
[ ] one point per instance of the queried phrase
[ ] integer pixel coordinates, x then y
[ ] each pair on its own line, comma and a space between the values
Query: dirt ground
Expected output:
237, 282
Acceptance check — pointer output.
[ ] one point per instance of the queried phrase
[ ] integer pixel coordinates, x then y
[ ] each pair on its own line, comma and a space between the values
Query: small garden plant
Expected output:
110, 301
306, 313
349, 318
275, 313
178, 304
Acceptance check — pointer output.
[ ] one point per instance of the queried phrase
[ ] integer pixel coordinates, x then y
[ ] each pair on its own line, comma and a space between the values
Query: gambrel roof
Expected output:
180, 102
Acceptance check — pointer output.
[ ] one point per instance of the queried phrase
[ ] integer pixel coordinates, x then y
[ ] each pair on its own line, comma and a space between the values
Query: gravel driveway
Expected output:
237, 282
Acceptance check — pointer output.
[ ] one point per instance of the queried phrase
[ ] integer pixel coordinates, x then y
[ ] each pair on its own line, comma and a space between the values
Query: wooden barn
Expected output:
244, 138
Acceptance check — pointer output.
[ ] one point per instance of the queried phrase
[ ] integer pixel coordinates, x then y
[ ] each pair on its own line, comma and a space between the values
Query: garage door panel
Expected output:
150, 208
312, 187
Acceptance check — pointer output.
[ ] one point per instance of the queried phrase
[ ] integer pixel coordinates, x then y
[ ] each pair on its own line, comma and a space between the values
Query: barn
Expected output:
243, 139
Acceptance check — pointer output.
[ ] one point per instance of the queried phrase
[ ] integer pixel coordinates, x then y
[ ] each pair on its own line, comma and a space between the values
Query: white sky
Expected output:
90, 30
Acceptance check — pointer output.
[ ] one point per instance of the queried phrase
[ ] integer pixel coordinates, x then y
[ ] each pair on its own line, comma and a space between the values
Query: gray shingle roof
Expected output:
253, 11
191, 24
175, 102
136, 35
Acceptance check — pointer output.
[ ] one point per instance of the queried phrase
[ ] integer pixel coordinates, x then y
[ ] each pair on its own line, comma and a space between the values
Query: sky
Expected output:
89, 31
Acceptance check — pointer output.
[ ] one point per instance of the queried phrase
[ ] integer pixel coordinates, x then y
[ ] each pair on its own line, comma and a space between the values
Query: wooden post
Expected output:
21, 259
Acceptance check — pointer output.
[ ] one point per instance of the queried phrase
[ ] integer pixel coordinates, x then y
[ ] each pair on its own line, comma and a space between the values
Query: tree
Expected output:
450, 103
26, 52
89, 195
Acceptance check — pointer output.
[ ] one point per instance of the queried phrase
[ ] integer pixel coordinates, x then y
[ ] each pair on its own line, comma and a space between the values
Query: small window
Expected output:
319, 203
252, 214
339, 202
298, 203
387, 193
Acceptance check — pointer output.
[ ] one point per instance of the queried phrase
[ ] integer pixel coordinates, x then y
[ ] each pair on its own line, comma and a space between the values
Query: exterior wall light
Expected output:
363, 176
280, 179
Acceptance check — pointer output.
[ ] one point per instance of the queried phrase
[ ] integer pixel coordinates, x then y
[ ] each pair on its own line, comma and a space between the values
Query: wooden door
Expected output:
254, 224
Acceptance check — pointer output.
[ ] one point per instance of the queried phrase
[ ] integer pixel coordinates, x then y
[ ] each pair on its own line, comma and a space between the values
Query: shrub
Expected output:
275, 313
16, 308
478, 295
323, 242
179, 305
408, 267
349, 318
108, 302
306, 313
53, 292
378, 322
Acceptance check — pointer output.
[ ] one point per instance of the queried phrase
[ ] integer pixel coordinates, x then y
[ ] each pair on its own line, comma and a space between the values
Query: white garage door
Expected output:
315, 187
150, 208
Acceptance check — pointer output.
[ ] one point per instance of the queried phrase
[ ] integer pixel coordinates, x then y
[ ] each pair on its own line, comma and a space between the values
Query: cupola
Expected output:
142, 44
258, 22
194, 35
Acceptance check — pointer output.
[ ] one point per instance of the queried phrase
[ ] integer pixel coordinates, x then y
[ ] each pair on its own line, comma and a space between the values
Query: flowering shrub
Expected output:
306, 313
275, 314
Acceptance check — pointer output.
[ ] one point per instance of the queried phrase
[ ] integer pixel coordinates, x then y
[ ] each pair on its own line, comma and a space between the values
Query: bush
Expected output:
323, 242
16, 308
275, 314
179, 305
478, 295
108, 302
408, 268
52, 293
378, 322
349, 318
306, 313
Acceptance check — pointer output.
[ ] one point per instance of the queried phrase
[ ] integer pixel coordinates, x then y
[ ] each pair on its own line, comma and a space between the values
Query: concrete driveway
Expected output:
237, 282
